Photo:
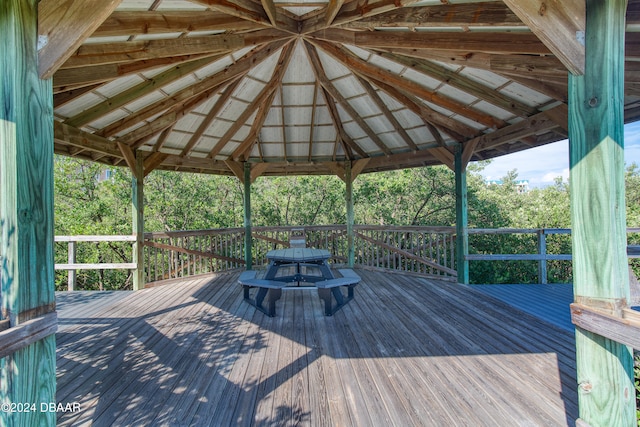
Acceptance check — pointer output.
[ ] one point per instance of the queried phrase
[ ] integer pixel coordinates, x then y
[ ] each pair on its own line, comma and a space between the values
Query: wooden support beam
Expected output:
153, 161
253, 12
129, 156
360, 66
257, 170
335, 94
135, 92
444, 155
137, 209
498, 42
357, 167
559, 24
136, 23
481, 14
462, 226
248, 242
333, 7
26, 218
236, 168
263, 97
270, 9
64, 25
123, 52
348, 179
203, 88
604, 367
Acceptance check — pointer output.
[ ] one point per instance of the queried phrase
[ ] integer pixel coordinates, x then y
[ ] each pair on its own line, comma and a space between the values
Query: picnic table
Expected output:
299, 268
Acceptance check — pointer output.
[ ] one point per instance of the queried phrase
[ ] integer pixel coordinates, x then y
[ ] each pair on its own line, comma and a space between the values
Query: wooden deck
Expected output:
406, 352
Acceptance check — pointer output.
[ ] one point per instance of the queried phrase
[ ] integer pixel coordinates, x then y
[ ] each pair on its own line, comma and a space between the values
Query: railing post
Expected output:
71, 279
542, 250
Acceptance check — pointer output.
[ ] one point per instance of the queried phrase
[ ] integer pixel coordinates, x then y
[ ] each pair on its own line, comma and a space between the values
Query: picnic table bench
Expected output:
289, 269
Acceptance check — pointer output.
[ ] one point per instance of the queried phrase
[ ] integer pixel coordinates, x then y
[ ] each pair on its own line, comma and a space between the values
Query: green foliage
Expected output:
86, 204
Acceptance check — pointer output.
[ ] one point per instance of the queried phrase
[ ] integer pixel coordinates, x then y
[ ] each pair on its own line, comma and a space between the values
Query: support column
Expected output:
604, 367
26, 214
350, 215
248, 241
462, 226
137, 203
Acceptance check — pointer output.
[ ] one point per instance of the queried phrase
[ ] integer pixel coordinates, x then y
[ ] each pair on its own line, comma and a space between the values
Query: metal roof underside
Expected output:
298, 87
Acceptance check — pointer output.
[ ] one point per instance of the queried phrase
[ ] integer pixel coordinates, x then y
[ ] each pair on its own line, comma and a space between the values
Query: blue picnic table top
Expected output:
297, 255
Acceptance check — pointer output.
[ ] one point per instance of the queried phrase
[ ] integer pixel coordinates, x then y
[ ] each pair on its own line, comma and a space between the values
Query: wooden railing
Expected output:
541, 255
72, 266
422, 250
427, 251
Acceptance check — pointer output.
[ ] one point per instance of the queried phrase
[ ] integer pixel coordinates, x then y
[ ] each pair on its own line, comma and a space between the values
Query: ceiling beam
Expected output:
152, 162
455, 129
245, 147
135, 23
209, 85
352, 11
119, 52
465, 84
65, 25
92, 74
335, 93
363, 67
387, 113
481, 41
206, 122
251, 109
84, 140
348, 144
483, 14
557, 24
333, 7
252, 11
135, 92
270, 9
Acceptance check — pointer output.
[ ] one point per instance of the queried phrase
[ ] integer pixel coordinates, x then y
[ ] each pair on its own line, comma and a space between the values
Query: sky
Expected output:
541, 165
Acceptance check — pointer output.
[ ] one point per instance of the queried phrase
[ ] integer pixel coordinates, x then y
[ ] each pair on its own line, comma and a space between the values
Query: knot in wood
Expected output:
543, 9
586, 386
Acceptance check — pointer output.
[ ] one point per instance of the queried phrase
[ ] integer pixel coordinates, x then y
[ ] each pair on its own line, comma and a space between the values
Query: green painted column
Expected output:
462, 227
351, 253
248, 241
137, 203
604, 367
26, 212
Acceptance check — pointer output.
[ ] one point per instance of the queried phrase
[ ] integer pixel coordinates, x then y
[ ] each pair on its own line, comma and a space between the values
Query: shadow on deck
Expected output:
406, 351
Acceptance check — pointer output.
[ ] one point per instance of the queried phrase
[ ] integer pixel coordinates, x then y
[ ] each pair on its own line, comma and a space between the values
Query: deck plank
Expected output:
406, 351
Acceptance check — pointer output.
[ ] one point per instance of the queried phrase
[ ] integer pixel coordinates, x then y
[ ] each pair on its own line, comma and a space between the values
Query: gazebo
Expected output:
337, 87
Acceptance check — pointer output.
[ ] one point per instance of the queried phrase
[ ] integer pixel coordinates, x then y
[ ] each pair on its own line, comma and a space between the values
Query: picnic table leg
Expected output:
325, 295
274, 295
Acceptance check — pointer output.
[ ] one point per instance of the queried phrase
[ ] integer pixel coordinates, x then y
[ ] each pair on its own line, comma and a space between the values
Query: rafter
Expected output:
207, 85
138, 91
270, 9
104, 73
117, 52
264, 94
328, 86
253, 12
343, 137
387, 113
363, 67
247, 145
457, 130
211, 115
557, 24
65, 25
353, 11
134, 23
465, 84
503, 43
333, 7
483, 14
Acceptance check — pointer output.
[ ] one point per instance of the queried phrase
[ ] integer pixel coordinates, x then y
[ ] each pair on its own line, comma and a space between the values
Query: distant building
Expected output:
522, 185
